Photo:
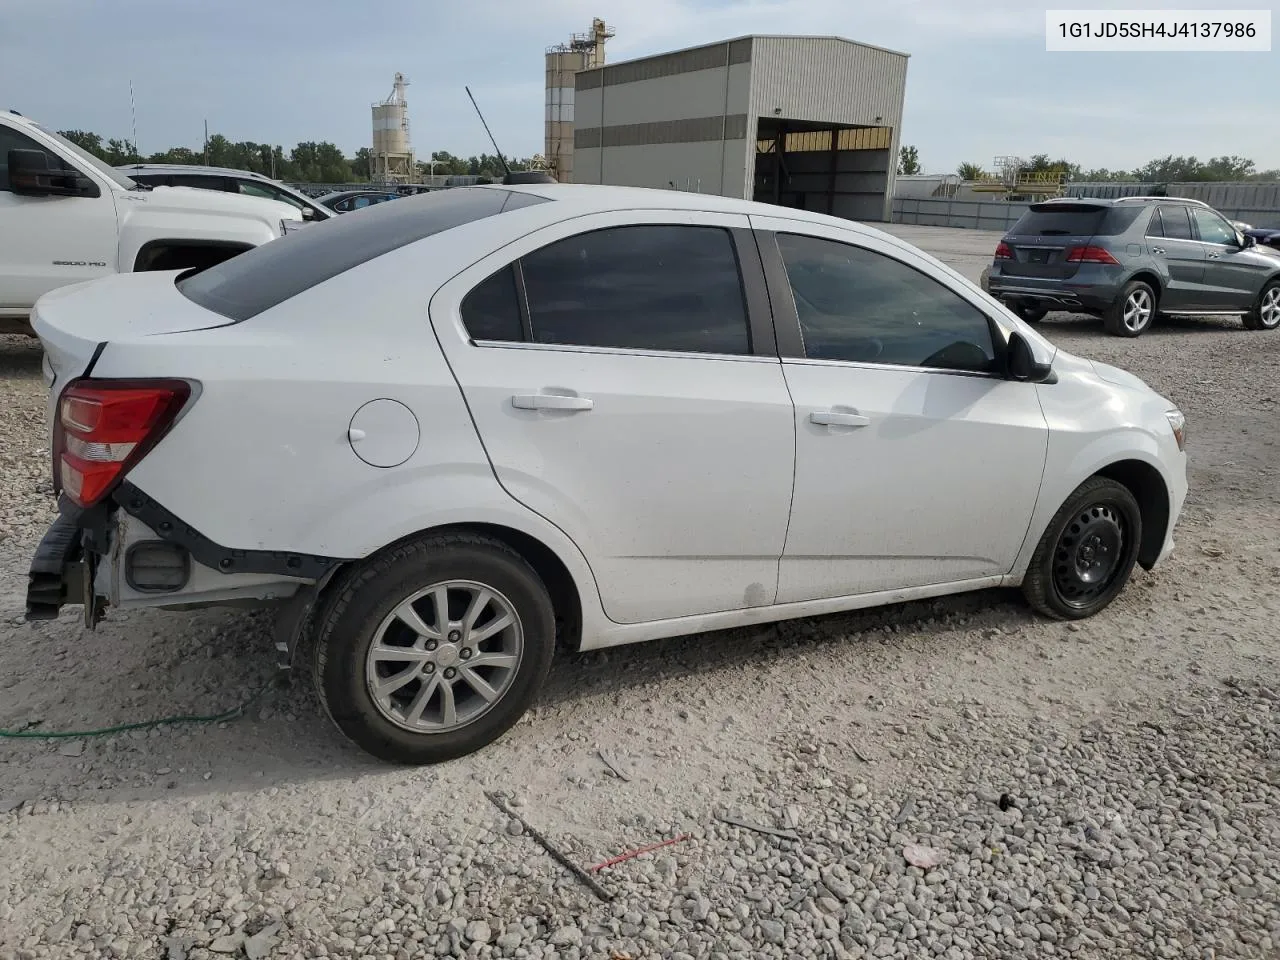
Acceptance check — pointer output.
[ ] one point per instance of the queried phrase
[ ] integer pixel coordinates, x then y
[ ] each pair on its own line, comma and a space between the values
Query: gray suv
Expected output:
1133, 259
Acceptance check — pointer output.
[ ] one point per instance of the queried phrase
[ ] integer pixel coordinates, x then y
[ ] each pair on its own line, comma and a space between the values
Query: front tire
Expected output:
434, 648
1133, 311
1265, 314
1087, 552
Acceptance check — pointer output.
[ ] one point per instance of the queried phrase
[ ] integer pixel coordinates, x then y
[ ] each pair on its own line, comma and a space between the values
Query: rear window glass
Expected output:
1080, 222
258, 279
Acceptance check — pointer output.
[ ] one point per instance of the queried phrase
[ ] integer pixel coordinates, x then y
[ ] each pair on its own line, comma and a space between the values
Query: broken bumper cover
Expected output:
57, 571
80, 541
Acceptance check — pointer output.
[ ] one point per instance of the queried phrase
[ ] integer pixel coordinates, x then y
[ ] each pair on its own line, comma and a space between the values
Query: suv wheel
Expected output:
1266, 313
1088, 551
1031, 312
434, 648
1133, 311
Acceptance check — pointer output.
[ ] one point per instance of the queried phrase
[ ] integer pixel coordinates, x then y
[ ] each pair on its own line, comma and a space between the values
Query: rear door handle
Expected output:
1158, 250
834, 418
550, 401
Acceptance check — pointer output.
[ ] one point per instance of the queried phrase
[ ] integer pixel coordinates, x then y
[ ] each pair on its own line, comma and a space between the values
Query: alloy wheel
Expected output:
1088, 555
1269, 309
444, 656
1137, 311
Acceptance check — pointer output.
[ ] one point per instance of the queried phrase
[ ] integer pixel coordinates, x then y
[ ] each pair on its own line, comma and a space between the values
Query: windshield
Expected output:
101, 166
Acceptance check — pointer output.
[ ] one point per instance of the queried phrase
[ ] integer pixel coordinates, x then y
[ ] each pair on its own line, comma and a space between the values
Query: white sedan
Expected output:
446, 433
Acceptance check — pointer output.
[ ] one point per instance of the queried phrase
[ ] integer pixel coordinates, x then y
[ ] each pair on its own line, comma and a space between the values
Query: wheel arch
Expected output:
566, 598
151, 251
1151, 279
1152, 493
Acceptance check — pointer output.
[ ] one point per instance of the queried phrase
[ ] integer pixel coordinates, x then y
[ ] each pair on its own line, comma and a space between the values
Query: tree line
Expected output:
1169, 169
307, 162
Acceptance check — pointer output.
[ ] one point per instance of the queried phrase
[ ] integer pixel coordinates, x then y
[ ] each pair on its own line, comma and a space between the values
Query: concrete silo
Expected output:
392, 152
583, 52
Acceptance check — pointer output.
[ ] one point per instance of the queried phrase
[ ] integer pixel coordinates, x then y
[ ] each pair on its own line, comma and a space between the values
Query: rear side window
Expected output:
492, 310
1117, 220
265, 276
1174, 223
644, 287
1069, 222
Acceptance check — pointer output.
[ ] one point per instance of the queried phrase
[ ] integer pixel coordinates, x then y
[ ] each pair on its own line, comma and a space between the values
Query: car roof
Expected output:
602, 199
1114, 201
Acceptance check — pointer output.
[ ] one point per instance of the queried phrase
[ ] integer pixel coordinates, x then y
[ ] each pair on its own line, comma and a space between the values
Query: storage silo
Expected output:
392, 152
564, 60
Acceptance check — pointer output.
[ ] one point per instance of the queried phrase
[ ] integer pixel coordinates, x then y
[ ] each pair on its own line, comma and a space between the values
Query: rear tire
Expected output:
1133, 312
1031, 313
1087, 552
395, 705
1265, 314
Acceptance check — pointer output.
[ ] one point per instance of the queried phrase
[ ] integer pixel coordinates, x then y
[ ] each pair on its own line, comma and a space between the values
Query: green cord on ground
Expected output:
29, 734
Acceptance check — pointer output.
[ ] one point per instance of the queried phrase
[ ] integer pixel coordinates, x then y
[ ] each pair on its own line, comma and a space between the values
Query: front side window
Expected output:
1212, 228
858, 306
643, 287
253, 189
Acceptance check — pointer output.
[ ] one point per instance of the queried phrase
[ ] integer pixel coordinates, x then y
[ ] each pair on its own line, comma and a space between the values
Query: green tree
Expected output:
970, 171
84, 140
908, 161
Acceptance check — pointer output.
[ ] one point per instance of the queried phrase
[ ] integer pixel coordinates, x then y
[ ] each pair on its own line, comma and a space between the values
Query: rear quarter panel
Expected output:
263, 460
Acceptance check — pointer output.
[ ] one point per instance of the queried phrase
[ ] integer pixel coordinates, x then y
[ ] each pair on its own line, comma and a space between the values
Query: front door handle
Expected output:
835, 418
550, 401
1215, 256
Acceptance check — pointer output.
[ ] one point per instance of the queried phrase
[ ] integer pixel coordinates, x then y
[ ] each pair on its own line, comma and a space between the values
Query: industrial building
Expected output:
392, 155
584, 51
806, 122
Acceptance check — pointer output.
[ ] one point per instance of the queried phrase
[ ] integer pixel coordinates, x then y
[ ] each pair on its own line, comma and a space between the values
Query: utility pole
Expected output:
206, 141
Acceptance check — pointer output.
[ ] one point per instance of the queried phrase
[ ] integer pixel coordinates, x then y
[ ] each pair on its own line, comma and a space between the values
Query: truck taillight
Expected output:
104, 427
1091, 255
1003, 252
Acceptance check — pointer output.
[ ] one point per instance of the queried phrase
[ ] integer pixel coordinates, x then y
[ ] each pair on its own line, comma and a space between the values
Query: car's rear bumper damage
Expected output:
132, 552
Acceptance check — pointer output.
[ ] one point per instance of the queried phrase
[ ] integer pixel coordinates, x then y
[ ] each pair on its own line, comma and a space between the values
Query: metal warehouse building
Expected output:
806, 122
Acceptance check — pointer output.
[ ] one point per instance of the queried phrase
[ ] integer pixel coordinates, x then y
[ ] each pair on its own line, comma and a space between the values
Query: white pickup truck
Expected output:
67, 217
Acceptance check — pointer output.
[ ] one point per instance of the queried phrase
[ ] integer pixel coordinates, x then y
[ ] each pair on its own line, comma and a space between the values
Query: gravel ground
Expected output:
1102, 789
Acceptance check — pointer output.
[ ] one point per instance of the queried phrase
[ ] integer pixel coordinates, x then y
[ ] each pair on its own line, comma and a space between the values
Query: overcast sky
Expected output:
979, 82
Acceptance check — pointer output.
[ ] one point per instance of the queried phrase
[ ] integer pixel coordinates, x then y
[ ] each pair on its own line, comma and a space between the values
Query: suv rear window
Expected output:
259, 279
1082, 220
1049, 222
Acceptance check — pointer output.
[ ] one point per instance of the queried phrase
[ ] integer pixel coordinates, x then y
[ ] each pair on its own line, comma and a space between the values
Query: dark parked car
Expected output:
1131, 260
344, 201
227, 180
1264, 236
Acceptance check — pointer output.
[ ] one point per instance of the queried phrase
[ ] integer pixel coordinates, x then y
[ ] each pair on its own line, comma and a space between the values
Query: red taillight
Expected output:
1003, 252
104, 427
1090, 255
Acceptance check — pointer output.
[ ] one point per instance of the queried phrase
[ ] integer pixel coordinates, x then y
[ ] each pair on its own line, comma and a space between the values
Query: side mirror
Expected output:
308, 213
1020, 362
29, 175
1245, 241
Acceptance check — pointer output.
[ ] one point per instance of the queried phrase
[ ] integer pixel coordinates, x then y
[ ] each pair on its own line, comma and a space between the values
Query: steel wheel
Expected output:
444, 656
1269, 309
1088, 555
1138, 309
